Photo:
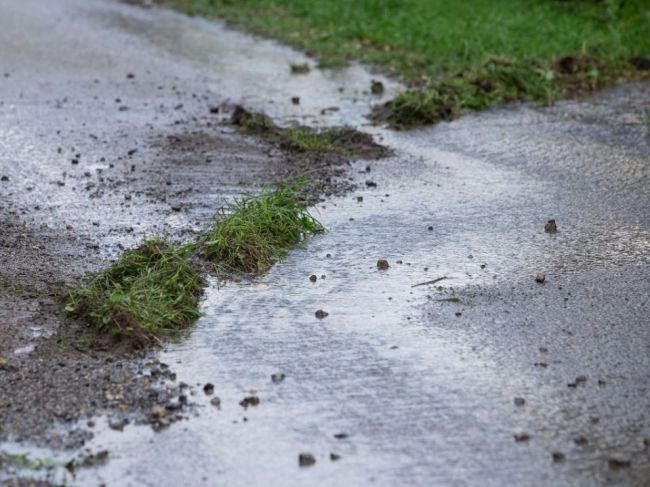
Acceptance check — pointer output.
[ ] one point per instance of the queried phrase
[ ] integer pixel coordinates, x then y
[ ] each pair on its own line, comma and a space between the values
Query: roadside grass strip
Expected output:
459, 57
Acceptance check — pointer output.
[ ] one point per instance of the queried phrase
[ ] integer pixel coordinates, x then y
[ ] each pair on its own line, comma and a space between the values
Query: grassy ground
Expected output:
155, 288
459, 56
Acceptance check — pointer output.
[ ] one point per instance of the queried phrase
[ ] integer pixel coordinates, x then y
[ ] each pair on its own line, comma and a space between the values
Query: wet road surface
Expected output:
421, 380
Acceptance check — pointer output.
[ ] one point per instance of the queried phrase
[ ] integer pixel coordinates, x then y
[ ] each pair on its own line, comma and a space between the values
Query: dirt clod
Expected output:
376, 87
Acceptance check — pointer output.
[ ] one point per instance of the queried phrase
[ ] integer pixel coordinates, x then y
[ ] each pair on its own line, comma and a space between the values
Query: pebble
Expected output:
519, 437
216, 401
550, 227
541, 277
208, 389
249, 401
313, 278
519, 401
382, 264
277, 377
306, 460
320, 314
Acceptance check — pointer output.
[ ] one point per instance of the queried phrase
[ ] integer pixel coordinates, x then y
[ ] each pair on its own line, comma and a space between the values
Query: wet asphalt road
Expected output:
423, 386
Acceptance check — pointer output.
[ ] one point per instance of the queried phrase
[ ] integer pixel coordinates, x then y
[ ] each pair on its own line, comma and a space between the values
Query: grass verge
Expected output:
154, 289
459, 56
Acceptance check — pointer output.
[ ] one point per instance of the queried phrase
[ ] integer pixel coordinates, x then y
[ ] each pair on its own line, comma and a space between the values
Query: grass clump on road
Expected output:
151, 290
460, 56
256, 231
154, 289
296, 139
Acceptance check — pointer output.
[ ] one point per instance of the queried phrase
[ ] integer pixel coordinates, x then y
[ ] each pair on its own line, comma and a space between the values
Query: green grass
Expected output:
295, 139
149, 291
154, 289
255, 231
300, 68
459, 56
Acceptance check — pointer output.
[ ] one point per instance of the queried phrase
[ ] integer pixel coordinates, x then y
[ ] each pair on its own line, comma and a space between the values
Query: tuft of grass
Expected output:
499, 81
299, 139
452, 299
151, 290
255, 231
300, 68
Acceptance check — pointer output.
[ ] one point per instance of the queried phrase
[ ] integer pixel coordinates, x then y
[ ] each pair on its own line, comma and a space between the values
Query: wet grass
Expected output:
154, 289
295, 139
149, 291
460, 56
256, 231
300, 68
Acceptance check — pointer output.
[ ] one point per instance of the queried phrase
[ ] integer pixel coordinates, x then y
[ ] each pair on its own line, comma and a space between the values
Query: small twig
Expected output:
430, 282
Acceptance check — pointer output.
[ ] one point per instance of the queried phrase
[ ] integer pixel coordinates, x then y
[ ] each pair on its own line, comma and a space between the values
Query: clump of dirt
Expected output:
323, 154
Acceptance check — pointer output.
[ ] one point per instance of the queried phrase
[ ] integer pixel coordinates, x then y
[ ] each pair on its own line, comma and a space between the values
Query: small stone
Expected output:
313, 278
118, 424
519, 401
550, 227
176, 208
382, 264
320, 314
371, 184
558, 456
249, 401
430, 228
277, 377
216, 401
295, 100
616, 463
306, 460
208, 389
340, 436
519, 437
334, 457
130, 76
581, 441
376, 87
581, 379
74, 161
158, 411
4, 178
541, 277
359, 199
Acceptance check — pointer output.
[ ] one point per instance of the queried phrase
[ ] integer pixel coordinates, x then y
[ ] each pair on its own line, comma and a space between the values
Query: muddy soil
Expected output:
93, 160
